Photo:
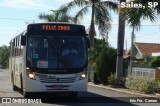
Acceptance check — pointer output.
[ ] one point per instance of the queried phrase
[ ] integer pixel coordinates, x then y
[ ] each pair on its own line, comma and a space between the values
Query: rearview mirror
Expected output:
23, 40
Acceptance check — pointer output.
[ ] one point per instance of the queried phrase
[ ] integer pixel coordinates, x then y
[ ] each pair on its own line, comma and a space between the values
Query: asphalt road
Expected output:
95, 96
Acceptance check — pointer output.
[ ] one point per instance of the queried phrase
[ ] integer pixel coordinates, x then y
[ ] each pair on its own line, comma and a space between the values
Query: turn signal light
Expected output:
27, 68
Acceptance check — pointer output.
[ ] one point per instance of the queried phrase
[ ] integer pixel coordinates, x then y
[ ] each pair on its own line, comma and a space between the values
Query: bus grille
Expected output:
46, 79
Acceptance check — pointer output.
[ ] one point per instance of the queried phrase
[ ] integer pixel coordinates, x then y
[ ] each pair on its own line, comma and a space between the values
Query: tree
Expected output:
94, 52
104, 58
100, 14
120, 44
155, 62
106, 64
4, 56
56, 16
134, 15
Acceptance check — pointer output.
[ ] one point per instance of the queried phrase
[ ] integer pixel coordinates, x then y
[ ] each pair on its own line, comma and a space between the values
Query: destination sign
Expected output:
54, 27
58, 28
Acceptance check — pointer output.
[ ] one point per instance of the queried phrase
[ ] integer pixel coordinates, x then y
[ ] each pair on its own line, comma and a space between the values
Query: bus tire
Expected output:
15, 88
26, 94
21, 82
73, 94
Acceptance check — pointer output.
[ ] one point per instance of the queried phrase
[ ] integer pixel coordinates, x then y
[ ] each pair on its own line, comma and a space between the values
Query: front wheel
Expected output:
26, 94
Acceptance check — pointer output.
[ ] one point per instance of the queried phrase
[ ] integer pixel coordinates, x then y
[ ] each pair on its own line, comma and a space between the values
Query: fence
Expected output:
144, 72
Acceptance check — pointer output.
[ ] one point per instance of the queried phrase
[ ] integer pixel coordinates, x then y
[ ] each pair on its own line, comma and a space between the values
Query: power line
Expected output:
18, 19
83, 23
148, 35
141, 25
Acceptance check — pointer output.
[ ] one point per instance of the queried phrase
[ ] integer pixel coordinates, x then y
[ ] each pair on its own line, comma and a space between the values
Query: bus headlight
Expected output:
83, 75
31, 75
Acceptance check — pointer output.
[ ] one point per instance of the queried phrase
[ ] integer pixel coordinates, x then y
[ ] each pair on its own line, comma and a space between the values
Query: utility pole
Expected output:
131, 52
126, 45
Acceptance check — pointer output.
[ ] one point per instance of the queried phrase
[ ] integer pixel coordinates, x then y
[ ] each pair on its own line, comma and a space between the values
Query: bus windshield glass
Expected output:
56, 52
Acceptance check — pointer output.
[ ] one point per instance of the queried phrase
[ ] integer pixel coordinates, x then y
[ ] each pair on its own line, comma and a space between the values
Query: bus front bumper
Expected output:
37, 86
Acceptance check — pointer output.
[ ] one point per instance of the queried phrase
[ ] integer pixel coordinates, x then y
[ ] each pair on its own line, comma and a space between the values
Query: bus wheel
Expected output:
15, 88
21, 83
73, 94
26, 94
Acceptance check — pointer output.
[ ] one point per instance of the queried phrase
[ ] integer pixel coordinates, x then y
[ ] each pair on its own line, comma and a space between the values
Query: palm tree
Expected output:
134, 15
100, 44
56, 16
100, 14
120, 44
47, 17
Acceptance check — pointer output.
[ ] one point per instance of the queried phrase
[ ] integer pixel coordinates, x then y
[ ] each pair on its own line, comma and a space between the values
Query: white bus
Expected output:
50, 57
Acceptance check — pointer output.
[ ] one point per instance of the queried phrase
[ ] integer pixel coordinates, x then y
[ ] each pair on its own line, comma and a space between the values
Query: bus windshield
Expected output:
56, 52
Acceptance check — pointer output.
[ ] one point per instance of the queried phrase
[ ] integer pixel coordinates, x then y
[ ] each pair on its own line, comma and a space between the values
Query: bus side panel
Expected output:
13, 69
10, 69
18, 70
24, 67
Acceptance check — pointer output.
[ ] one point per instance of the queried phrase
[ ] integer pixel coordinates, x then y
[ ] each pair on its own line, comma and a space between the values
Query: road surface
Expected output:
95, 96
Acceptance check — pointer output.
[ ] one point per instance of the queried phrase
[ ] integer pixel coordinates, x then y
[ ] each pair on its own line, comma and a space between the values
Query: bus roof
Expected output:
67, 23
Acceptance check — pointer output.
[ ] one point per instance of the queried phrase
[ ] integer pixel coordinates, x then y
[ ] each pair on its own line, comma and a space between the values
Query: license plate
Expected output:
57, 86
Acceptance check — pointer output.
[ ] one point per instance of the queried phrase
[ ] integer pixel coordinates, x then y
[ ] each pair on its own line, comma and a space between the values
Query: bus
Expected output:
50, 57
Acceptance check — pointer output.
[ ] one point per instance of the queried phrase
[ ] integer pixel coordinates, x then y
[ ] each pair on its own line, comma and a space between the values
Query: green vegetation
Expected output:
56, 16
106, 63
112, 80
145, 85
104, 58
148, 62
95, 51
155, 62
4, 56
134, 15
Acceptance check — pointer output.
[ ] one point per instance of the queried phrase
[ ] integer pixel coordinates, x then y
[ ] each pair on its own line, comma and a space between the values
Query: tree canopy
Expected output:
4, 56
134, 15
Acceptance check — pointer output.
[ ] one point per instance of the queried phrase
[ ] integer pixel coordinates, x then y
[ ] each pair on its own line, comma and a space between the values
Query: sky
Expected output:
16, 14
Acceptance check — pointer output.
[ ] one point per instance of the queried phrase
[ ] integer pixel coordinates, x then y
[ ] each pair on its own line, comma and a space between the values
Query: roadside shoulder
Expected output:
123, 90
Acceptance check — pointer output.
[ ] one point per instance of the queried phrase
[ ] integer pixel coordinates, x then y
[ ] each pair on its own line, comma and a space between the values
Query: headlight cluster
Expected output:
83, 75
30, 74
